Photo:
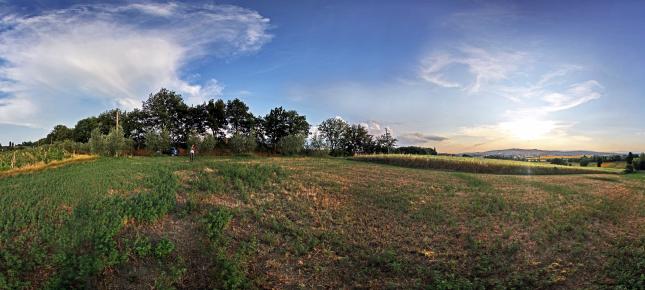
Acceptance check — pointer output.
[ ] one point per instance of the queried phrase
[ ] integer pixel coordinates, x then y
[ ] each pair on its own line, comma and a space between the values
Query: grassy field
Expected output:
316, 223
480, 165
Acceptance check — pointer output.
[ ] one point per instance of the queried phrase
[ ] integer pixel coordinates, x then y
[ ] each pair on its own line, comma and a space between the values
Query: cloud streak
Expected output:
60, 61
418, 138
483, 67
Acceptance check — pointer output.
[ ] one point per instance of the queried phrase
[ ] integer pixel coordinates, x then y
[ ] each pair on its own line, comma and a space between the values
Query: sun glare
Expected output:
528, 129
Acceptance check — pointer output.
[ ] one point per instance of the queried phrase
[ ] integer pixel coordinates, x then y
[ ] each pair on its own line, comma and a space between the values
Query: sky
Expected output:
461, 76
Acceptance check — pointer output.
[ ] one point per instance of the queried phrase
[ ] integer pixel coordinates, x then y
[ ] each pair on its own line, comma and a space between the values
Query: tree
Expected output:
238, 117
385, 143
416, 150
356, 139
134, 127
197, 117
97, 141
166, 110
60, 133
559, 161
584, 161
83, 129
641, 164
333, 130
216, 118
280, 123
115, 143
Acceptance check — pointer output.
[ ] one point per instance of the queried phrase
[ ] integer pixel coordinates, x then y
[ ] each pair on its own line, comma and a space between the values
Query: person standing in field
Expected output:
192, 152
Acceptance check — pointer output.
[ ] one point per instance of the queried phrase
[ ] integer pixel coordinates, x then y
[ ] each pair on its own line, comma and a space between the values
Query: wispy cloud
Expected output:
482, 65
58, 60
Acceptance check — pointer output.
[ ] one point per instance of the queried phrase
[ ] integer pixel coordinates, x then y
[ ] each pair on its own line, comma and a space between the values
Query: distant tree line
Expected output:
165, 121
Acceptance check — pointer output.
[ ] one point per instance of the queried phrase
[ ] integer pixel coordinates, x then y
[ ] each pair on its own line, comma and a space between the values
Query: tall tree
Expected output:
83, 129
167, 110
107, 120
280, 123
385, 143
134, 127
197, 117
216, 117
333, 130
60, 133
239, 119
356, 139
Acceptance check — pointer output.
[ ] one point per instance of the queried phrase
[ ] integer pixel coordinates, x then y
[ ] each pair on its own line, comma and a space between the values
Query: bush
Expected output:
207, 144
157, 142
584, 162
636, 163
292, 144
241, 143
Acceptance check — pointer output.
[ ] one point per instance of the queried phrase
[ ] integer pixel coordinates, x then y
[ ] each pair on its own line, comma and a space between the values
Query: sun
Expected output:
528, 128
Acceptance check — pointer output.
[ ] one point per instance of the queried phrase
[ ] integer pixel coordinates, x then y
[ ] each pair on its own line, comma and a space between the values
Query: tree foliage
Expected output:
238, 117
333, 131
280, 123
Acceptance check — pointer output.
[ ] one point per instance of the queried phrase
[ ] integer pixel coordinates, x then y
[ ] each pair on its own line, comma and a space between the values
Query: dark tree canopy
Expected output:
167, 110
60, 133
83, 129
280, 123
216, 117
239, 119
332, 131
357, 140
134, 126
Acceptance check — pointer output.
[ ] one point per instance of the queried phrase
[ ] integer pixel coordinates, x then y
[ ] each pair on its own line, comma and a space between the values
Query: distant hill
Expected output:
537, 152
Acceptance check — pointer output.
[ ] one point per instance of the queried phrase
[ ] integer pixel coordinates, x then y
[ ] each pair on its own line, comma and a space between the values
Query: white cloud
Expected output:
60, 61
482, 65
575, 95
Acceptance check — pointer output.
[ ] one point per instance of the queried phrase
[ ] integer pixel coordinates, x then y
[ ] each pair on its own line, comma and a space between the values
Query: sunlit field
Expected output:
135, 223
481, 165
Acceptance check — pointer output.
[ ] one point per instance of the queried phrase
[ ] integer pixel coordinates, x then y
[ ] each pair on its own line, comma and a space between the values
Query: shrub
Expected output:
97, 142
157, 142
242, 143
291, 144
207, 144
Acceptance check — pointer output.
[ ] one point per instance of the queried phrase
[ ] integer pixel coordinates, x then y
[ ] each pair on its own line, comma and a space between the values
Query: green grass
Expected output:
231, 223
479, 165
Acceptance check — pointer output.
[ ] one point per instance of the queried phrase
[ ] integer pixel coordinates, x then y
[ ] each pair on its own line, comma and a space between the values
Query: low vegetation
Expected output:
297, 222
479, 165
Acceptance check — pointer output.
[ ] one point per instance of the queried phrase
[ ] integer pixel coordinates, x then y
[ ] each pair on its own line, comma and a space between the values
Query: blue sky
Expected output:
459, 75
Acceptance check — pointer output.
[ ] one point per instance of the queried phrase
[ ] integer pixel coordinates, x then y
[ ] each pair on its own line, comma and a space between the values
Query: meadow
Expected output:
301, 222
